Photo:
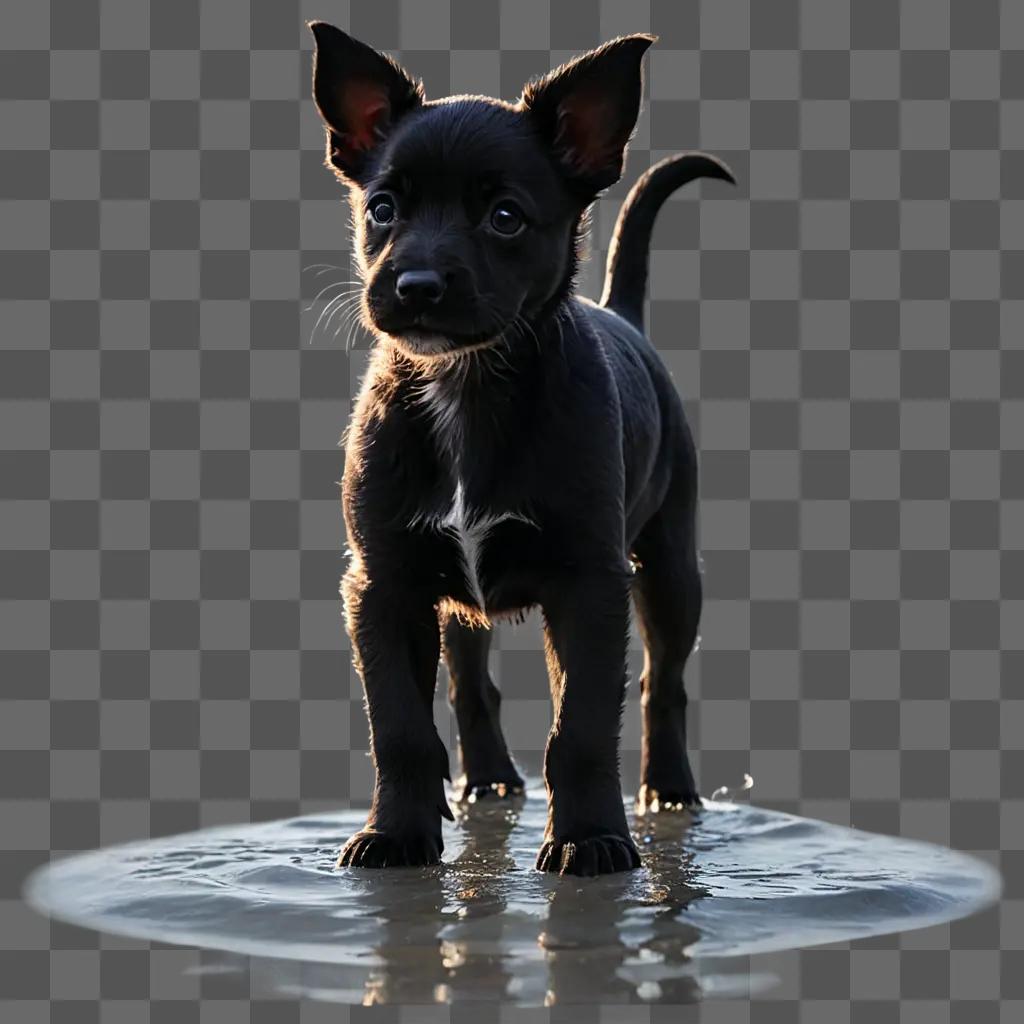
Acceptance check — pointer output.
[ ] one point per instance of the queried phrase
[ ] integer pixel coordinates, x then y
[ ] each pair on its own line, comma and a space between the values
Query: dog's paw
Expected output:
598, 855
371, 849
500, 787
672, 801
475, 791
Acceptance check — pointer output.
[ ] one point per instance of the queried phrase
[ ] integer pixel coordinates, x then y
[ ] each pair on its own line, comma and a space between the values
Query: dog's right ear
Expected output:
360, 94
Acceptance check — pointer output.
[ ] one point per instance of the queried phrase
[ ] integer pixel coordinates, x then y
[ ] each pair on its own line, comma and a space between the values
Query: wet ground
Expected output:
484, 925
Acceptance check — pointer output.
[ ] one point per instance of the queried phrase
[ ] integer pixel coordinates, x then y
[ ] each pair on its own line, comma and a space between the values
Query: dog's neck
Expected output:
476, 400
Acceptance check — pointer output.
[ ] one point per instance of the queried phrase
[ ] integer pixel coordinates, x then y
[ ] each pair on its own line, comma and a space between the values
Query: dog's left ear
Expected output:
360, 94
586, 110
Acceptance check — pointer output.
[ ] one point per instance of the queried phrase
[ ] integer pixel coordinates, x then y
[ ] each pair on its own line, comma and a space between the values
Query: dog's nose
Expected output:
419, 286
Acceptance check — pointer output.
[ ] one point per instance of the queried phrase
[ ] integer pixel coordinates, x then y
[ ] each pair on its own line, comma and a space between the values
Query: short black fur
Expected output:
512, 445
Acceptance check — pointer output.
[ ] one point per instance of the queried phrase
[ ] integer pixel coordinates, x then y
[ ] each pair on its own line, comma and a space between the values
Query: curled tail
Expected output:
625, 281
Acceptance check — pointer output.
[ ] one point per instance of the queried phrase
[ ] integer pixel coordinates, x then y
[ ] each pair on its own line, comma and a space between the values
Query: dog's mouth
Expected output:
425, 339
427, 345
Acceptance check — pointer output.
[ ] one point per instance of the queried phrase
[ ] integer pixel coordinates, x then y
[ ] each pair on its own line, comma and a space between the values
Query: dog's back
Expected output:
656, 441
654, 432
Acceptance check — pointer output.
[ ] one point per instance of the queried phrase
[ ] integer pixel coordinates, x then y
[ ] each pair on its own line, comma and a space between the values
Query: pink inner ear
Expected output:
586, 129
364, 105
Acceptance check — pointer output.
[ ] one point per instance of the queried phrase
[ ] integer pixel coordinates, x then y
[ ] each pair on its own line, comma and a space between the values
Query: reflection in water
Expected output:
460, 936
485, 926
464, 954
630, 950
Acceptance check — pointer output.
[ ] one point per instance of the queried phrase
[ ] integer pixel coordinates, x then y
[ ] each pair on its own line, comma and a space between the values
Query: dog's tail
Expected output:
625, 279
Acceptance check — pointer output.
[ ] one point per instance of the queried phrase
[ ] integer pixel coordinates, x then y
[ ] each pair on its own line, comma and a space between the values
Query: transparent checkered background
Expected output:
846, 328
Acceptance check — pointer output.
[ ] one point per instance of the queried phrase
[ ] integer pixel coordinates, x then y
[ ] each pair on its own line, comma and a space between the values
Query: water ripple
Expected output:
484, 925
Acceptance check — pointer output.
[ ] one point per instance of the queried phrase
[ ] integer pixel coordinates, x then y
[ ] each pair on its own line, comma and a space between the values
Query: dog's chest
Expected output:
475, 533
472, 520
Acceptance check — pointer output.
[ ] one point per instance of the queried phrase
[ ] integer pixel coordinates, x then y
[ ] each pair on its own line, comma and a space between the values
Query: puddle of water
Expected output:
484, 925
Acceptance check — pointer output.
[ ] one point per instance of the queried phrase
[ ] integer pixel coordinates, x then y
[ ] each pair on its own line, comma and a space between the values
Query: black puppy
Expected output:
512, 444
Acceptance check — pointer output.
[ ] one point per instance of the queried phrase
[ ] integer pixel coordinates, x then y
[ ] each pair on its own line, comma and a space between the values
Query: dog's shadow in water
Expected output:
484, 927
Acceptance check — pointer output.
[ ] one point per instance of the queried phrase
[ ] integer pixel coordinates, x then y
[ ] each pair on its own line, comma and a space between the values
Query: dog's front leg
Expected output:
587, 626
396, 641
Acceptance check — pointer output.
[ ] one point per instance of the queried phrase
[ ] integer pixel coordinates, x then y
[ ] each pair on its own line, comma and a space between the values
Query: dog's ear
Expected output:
359, 93
586, 110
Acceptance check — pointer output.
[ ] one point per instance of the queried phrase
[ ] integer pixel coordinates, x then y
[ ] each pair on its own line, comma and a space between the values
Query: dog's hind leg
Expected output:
667, 593
487, 767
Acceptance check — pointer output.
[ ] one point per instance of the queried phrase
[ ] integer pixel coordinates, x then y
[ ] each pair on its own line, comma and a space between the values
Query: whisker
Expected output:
342, 303
353, 331
353, 324
329, 310
327, 288
349, 323
523, 325
328, 266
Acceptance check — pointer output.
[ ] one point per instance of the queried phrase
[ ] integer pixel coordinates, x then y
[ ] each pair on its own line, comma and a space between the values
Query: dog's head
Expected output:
468, 209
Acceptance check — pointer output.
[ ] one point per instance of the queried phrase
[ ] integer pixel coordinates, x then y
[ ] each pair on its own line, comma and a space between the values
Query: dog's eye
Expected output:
507, 218
382, 208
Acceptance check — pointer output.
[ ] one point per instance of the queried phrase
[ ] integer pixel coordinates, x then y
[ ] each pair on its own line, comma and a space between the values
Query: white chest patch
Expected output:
469, 528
